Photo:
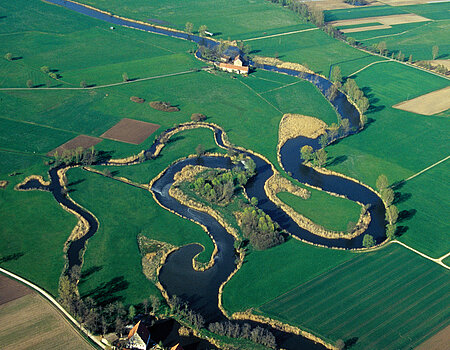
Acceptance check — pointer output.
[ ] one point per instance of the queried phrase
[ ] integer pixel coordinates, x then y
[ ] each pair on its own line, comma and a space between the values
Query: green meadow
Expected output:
333, 213
369, 300
224, 18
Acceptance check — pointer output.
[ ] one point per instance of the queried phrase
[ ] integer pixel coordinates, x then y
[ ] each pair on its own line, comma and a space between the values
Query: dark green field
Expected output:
388, 299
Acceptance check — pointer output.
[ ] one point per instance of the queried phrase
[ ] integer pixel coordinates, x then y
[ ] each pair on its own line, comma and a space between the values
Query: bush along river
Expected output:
177, 276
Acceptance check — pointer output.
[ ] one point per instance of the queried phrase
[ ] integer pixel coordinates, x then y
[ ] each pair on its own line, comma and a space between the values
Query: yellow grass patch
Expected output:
385, 22
405, 2
428, 104
294, 125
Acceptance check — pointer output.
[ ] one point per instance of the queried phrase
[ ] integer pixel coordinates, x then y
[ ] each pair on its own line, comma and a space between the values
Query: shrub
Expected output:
198, 117
163, 106
137, 99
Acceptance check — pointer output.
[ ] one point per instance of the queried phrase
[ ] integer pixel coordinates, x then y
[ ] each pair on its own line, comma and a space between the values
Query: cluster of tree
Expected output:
181, 308
311, 14
259, 229
258, 335
368, 241
388, 196
96, 318
80, 155
215, 53
357, 95
319, 157
218, 186
49, 72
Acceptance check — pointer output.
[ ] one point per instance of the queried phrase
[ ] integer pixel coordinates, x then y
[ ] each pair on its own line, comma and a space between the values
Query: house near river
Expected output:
233, 65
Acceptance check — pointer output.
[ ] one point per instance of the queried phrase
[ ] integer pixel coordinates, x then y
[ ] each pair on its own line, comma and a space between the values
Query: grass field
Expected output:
283, 267
416, 39
333, 213
388, 299
34, 228
30, 322
225, 18
423, 217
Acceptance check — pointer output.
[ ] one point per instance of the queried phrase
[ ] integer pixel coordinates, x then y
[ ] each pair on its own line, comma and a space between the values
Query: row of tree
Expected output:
388, 196
80, 155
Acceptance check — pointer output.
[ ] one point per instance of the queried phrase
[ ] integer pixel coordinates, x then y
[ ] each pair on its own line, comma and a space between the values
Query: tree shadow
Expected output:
75, 182
91, 85
350, 342
401, 230
11, 257
90, 271
38, 86
134, 79
337, 160
176, 138
406, 215
401, 197
374, 109
16, 58
104, 294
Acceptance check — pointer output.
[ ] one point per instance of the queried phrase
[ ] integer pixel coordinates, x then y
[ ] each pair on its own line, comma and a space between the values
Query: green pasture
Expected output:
112, 253
333, 213
34, 229
416, 39
284, 267
224, 18
362, 12
423, 222
388, 299
314, 48
83, 49
415, 141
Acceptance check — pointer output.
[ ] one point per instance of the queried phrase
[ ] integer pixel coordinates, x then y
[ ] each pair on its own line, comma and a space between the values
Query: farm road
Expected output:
281, 34
437, 261
101, 86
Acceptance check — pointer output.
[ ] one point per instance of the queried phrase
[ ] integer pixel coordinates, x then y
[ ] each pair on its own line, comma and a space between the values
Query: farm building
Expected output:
138, 338
237, 66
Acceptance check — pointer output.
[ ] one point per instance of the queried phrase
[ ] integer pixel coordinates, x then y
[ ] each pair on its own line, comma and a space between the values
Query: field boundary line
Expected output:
437, 261
261, 97
404, 32
370, 64
281, 34
50, 299
101, 86
281, 87
41, 125
426, 169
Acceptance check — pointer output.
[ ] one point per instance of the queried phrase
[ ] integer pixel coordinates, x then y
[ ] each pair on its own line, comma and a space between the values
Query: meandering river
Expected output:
177, 276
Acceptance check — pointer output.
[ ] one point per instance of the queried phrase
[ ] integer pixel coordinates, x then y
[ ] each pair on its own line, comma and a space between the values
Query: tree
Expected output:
155, 302
254, 201
124, 77
363, 104
8, 56
390, 231
131, 313
53, 75
45, 69
198, 117
340, 344
382, 182
368, 241
381, 47
362, 120
145, 304
345, 125
189, 27
387, 195
435, 51
331, 92
320, 157
202, 30
351, 41
336, 75
199, 150
410, 59
323, 140
306, 153
392, 214
29, 83
83, 84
